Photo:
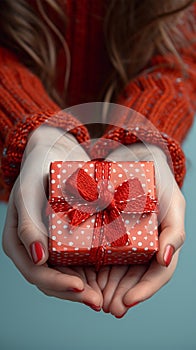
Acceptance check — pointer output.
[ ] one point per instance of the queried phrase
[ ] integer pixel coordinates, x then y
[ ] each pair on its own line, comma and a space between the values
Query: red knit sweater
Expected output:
161, 94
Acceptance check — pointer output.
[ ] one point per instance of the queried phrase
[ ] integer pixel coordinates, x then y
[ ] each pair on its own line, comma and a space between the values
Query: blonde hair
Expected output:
134, 31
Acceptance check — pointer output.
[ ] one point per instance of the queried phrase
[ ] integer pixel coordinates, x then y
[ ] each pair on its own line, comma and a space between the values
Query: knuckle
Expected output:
23, 233
182, 237
29, 277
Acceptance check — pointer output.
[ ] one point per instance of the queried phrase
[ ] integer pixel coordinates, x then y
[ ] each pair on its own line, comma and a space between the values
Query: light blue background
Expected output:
30, 320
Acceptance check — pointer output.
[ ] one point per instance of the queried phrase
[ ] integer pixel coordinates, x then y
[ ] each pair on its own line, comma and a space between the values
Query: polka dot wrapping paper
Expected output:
102, 213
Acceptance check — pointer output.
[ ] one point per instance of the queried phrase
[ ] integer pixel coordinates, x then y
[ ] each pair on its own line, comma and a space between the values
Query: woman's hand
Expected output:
125, 286
25, 237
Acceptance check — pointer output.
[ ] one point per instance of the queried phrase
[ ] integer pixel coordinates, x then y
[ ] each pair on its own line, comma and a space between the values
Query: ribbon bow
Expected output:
84, 197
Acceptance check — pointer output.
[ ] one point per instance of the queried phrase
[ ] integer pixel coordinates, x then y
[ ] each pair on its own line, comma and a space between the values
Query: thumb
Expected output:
31, 229
172, 236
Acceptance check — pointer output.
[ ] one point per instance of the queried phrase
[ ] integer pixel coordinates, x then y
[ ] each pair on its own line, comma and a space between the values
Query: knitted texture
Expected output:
161, 94
166, 99
24, 106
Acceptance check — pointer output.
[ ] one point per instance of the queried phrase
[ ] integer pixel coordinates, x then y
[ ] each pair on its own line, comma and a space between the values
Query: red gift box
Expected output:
102, 213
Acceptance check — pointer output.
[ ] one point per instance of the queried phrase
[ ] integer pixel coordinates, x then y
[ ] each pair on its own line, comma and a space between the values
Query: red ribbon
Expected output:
84, 197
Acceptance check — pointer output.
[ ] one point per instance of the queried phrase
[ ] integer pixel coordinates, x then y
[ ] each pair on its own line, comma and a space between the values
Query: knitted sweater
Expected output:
162, 95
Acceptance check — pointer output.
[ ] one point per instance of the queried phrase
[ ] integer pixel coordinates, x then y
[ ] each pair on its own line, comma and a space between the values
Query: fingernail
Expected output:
94, 307
121, 315
75, 290
169, 251
132, 305
37, 252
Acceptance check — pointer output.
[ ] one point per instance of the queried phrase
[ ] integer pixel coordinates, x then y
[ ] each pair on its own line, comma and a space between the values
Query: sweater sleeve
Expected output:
166, 98
24, 106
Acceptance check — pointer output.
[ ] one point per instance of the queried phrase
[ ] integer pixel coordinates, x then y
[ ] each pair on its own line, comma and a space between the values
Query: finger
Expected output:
116, 273
38, 275
155, 278
29, 202
102, 277
88, 296
172, 234
91, 277
130, 279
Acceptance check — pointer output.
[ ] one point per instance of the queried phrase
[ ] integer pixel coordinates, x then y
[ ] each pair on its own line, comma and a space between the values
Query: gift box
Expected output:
102, 213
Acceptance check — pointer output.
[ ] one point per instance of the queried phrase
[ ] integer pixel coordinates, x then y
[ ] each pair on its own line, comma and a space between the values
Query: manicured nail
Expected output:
94, 307
75, 290
37, 252
132, 305
121, 316
169, 251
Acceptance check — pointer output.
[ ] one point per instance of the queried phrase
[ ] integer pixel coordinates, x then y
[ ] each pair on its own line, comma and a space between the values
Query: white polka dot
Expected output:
143, 185
58, 176
151, 244
91, 165
52, 171
134, 249
119, 175
76, 248
131, 165
93, 220
53, 181
53, 238
82, 232
53, 249
77, 237
64, 171
114, 170
59, 232
53, 216
71, 244
146, 248
59, 222
86, 170
53, 227
139, 244
59, 165
59, 243
137, 170
133, 238
127, 222
65, 226
139, 232
150, 222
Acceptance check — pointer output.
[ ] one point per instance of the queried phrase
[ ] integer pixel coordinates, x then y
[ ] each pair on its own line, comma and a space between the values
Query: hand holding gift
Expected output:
25, 237
125, 286
115, 288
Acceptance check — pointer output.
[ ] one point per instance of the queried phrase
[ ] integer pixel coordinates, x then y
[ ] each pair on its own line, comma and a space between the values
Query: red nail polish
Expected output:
121, 316
37, 252
132, 305
169, 251
75, 290
94, 307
